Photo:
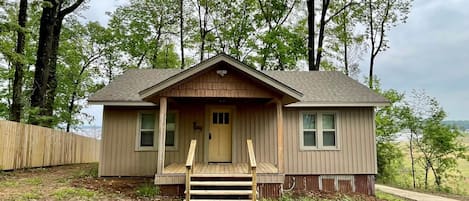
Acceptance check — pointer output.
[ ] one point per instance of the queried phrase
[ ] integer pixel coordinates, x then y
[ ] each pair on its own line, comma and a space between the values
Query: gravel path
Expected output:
411, 194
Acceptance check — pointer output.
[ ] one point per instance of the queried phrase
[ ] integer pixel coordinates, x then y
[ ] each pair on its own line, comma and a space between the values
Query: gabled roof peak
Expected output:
211, 62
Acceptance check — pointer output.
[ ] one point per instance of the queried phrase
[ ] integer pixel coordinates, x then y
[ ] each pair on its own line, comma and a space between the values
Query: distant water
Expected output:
89, 131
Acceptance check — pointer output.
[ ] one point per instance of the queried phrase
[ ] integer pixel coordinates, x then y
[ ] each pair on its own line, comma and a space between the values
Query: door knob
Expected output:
209, 136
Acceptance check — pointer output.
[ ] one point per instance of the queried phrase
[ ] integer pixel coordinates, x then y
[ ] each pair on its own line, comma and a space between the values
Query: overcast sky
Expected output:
429, 52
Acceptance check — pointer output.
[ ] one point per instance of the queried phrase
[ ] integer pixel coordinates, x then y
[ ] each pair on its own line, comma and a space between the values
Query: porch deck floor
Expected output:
220, 168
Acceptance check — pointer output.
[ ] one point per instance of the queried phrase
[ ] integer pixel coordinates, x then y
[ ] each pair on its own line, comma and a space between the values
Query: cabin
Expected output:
224, 129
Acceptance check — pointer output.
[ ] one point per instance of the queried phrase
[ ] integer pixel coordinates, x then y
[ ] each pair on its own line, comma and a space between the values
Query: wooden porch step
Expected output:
221, 183
221, 175
221, 192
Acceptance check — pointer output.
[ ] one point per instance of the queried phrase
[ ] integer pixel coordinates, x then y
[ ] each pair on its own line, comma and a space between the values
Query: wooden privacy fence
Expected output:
25, 146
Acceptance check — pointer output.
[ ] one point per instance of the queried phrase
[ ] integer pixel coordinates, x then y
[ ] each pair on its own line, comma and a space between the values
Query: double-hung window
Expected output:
147, 132
318, 130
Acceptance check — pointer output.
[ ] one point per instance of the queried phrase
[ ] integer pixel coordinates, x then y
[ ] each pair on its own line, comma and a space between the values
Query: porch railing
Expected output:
252, 168
190, 167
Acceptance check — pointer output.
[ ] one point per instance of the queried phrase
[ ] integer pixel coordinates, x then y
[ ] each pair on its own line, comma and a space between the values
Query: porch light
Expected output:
222, 72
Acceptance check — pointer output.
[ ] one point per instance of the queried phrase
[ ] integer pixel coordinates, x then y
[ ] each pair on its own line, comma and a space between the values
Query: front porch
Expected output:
176, 173
220, 180
221, 136
221, 168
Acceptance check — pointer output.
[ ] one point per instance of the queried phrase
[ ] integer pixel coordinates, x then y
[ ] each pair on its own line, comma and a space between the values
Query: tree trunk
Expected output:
427, 168
322, 26
16, 109
45, 81
376, 44
412, 156
76, 83
203, 28
346, 65
310, 6
52, 80
437, 176
166, 57
44, 52
372, 59
71, 105
370, 75
181, 27
202, 47
154, 59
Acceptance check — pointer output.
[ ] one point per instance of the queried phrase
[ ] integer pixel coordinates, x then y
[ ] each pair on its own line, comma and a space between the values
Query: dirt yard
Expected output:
80, 182
73, 182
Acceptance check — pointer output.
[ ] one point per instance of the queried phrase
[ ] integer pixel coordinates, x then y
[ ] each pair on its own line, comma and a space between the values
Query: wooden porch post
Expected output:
280, 135
162, 135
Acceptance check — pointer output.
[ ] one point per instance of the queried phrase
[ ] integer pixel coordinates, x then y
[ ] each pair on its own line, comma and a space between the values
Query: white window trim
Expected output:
319, 131
155, 132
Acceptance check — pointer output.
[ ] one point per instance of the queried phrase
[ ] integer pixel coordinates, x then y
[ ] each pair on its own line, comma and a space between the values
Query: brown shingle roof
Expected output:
318, 87
125, 87
327, 87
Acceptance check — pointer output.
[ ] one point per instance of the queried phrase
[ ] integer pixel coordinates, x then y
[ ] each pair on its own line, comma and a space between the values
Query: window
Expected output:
147, 134
221, 118
328, 129
309, 129
318, 130
170, 129
147, 129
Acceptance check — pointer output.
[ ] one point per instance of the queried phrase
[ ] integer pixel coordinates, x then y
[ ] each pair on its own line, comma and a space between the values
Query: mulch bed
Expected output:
123, 186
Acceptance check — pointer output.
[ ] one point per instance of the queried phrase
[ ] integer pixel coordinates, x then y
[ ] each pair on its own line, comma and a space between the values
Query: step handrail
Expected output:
190, 167
252, 168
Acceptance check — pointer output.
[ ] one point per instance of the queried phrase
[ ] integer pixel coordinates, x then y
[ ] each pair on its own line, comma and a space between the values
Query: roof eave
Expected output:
121, 103
331, 104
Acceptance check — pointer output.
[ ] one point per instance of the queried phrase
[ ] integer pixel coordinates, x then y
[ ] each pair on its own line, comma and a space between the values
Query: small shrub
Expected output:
9, 184
68, 193
289, 197
63, 180
147, 190
88, 173
386, 196
330, 197
34, 181
30, 196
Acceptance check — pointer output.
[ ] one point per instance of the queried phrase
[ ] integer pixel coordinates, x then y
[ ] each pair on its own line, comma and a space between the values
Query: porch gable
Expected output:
221, 76
210, 84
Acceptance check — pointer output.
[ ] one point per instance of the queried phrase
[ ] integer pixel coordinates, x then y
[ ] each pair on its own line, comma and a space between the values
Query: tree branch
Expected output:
287, 15
264, 14
70, 9
351, 3
385, 18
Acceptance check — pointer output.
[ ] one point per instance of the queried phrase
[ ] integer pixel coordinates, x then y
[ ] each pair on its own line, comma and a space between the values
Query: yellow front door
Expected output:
219, 139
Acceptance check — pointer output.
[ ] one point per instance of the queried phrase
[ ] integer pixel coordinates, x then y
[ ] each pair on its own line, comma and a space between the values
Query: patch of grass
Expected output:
30, 196
63, 180
34, 181
453, 184
9, 184
387, 196
88, 173
68, 193
147, 190
337, 197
